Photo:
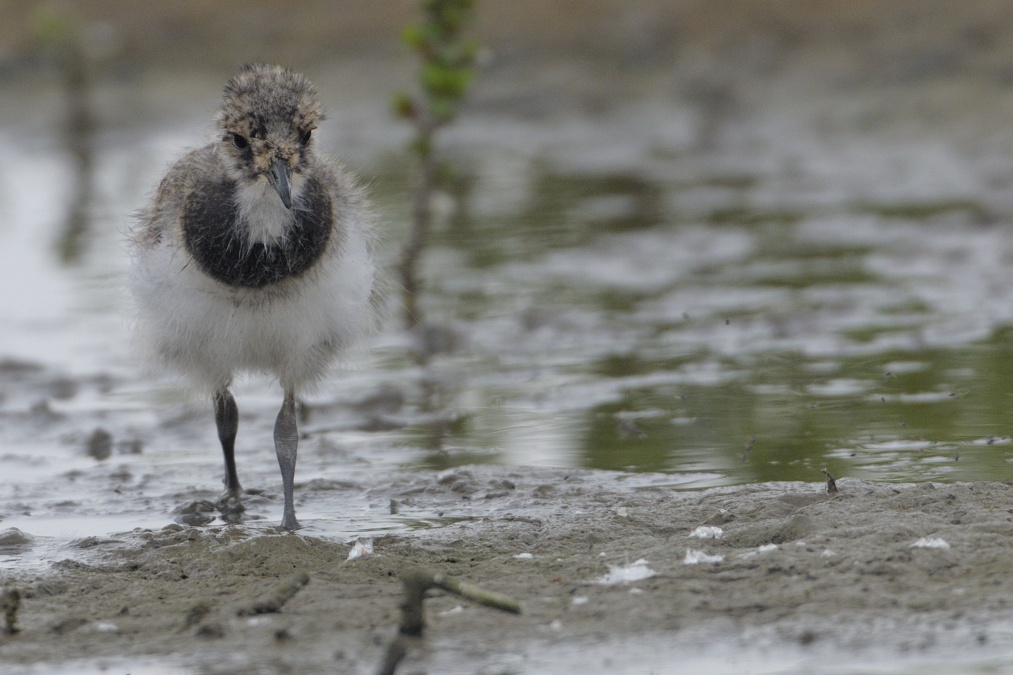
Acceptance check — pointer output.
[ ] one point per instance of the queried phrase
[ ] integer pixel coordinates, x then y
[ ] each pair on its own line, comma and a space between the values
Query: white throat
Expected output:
261, 208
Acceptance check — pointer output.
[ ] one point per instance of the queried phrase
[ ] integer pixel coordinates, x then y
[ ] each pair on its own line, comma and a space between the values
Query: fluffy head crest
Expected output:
260, 97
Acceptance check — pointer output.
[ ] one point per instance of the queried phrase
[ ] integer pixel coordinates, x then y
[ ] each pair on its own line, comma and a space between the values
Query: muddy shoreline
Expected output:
877, 572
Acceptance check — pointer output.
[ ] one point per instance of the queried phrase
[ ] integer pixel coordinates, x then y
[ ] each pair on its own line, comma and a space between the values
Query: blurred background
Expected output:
728, 241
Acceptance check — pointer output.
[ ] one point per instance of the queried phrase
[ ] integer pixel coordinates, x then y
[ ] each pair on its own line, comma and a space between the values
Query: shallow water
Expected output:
601, 293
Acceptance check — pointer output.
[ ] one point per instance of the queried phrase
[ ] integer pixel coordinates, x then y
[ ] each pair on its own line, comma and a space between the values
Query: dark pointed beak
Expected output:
279, 176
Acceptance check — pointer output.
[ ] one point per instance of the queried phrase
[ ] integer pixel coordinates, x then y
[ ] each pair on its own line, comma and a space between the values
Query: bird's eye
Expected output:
304, 136
240, 141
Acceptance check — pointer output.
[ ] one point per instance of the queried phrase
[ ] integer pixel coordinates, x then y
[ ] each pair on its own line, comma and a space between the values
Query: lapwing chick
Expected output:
254, 256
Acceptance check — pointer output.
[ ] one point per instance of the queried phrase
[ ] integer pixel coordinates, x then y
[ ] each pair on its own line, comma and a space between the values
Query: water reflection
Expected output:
781, 419
79, 139
730, 344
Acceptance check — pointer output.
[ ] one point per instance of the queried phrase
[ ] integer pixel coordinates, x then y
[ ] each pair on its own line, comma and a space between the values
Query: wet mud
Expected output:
602, 564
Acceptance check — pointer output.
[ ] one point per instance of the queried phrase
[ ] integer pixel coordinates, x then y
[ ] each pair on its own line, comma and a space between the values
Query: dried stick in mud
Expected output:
415, 584
273, 603
10, 602
831, 482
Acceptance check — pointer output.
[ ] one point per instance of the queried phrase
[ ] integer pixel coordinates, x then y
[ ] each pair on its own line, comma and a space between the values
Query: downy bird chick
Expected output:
254, 255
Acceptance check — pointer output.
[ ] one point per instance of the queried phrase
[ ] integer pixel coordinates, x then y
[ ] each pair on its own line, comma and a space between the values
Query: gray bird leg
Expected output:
227, 421
286, 442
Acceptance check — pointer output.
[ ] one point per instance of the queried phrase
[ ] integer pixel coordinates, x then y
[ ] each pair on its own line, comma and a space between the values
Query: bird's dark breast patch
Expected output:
219, 241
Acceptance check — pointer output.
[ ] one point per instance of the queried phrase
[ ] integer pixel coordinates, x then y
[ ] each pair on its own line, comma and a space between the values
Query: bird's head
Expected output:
267, 119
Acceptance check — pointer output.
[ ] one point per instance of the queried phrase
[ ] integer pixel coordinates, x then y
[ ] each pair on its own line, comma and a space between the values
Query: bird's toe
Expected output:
230, 505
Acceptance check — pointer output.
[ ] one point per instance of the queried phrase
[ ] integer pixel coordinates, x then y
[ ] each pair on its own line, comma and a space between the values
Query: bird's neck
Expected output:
260, 208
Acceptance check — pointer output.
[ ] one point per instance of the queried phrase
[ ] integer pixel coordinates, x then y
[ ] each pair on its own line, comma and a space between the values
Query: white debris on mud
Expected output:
930, 542
694, 557
707, 532
624, 574
361, 549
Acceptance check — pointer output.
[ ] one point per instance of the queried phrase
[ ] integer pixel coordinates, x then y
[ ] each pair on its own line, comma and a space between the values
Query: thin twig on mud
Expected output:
413, 622
831, 482
10, 602
195, 614
396, 650
275, 602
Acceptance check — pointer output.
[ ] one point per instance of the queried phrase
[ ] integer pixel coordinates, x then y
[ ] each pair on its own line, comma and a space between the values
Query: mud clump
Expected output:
100, 444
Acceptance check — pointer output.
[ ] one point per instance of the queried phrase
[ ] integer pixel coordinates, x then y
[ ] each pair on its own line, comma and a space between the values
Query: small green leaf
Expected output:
414, 36
422, 146
404, 106
442, 110
445, 81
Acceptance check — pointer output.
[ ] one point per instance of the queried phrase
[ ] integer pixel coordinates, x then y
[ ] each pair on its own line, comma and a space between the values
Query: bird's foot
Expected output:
289, 522
230, 505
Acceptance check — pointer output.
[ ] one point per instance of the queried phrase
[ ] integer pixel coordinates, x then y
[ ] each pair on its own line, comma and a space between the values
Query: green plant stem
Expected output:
447, 60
